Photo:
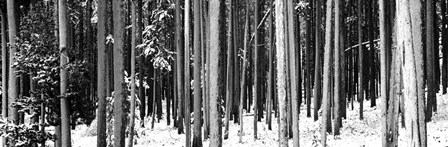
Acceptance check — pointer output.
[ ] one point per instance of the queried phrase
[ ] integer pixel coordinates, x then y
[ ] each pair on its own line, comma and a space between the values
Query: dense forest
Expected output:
223, 73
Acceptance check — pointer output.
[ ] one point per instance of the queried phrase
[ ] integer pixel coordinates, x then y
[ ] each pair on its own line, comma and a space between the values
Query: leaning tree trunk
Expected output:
410, 40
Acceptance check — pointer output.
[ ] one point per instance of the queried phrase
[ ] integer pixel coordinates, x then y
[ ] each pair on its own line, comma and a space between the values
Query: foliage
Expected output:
158, 36
26, 134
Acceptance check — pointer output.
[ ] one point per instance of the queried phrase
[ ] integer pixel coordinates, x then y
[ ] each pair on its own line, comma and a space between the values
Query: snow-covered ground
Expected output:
355, 132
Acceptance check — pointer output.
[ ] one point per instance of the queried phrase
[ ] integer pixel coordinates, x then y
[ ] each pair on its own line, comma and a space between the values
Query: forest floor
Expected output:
354, 132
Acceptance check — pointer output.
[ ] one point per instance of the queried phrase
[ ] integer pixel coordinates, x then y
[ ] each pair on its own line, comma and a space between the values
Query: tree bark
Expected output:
326, 77
187, 73
197, 136
430, 69
215, 51
256, 74
360, 63
180, 66
243, 74
317, 67
133, 88
338, 71
230, 65
271, 78
63, 47
410, 40
102, 57
281, 29
119, 83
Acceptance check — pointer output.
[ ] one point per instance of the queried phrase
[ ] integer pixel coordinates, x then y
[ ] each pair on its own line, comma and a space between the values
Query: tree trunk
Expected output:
444, 47
256, 74
245, 64
63, 39
307, 62
133, 45
215, 51
119, 83
281, 29
293, 72
13, 92
338, 71
102, 57
317, 67
180, 67
326, 77
410, 42
197, 136
360, 63
271, 78
430, 72
4, 71
372, 66
141, 88
230, 65
187, 72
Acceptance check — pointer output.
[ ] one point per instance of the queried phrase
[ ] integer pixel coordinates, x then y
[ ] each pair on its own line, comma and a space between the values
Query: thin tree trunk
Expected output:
430, 72
410, 42
120, 93
187, 72
256, 75
102, 57
180, 67
245, 64
4, 70
337, 68
293, 65
317, 67
360, 63
230, 65
215, 51
133, 88
307, 62
63, 39
271, 78
372, 68
326, 77
197, 136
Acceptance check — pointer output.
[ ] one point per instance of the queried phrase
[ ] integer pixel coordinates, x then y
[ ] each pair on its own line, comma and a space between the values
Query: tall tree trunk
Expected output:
430, 69
360, 63
317, 67
410, 42
307, 61
245, 64
372, 66
13, 92
187, 72
444, 69
102, 57
207, 44
385, 47
230, 65
197, 136
180, 66
338, 70
327, 77
63, 40
281, 29
293, 65
141, 74
256, 74
215, 51
119, 84
271, 78
133, 46
4, 70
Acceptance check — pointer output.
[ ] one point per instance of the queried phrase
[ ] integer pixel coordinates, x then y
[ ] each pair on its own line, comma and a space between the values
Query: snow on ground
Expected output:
354, 133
